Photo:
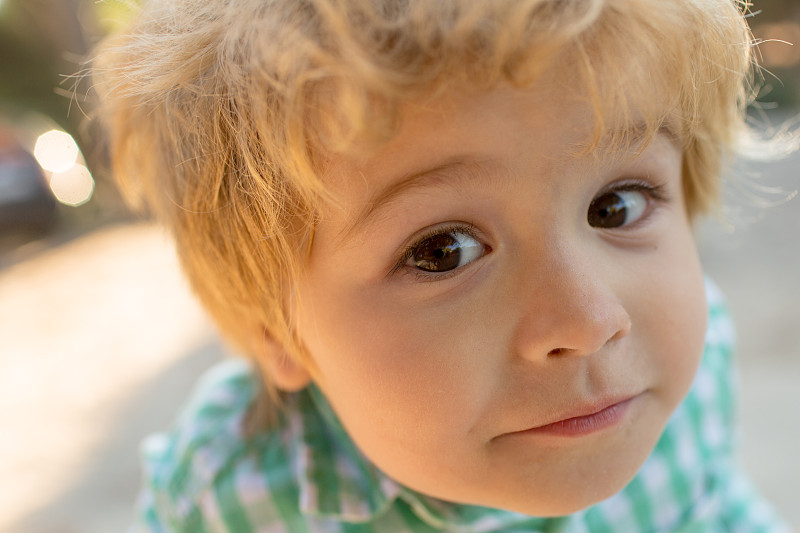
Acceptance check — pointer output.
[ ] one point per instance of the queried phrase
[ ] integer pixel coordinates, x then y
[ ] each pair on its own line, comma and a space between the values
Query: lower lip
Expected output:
585, 425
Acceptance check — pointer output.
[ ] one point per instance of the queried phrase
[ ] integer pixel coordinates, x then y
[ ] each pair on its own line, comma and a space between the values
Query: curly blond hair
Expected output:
220, 112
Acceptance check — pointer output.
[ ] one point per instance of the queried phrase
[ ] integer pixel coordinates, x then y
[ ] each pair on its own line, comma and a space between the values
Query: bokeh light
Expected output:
56, 151
74, 186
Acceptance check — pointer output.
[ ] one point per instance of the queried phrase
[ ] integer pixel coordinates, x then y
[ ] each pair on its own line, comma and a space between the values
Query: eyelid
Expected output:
411, 245
656, 191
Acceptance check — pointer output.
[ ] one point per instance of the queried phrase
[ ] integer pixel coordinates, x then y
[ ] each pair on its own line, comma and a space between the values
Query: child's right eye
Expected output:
443, 251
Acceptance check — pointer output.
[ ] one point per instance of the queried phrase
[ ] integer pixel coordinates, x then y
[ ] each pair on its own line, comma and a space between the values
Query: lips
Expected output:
584, 420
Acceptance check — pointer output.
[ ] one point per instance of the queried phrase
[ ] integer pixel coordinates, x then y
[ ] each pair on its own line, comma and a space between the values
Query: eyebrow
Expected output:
450, 174
635, 133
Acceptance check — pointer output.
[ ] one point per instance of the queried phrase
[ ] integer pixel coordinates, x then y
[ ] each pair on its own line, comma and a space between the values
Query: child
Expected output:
454, 238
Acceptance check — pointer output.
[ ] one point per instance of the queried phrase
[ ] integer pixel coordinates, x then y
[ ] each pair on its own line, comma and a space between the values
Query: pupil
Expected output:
608, 211
438, 254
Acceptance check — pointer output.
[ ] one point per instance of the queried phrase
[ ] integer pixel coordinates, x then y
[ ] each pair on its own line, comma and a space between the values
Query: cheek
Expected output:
679, 324
419, 370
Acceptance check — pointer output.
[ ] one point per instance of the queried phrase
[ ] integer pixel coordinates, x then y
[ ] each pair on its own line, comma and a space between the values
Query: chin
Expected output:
549, 507
577, 494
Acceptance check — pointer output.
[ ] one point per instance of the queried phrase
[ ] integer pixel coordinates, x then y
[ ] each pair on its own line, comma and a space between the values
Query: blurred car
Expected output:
26, 203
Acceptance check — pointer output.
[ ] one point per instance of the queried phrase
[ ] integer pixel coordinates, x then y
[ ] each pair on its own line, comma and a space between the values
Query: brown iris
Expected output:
438, 253
608, 211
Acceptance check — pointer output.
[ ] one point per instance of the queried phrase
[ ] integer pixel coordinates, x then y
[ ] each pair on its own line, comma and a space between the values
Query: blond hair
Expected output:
221, 111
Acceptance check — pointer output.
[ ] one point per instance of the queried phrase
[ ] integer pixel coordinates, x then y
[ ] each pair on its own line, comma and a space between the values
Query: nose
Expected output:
572, 311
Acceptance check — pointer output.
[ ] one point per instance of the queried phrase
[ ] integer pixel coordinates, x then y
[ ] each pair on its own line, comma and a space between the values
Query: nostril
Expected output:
557, 351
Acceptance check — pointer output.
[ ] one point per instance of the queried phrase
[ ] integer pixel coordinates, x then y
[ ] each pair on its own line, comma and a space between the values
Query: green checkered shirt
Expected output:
306, 475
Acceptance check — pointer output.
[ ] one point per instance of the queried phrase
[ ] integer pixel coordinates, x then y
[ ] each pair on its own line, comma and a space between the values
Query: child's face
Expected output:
478, 286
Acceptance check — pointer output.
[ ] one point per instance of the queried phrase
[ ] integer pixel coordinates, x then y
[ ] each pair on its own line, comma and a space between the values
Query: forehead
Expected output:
436, 130
612, 88
469, 125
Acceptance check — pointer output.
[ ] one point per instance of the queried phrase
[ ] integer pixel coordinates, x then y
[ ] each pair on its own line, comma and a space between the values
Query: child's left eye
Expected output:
620, 207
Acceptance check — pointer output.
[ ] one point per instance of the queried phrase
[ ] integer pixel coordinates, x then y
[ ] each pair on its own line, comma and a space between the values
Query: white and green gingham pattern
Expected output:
306, 475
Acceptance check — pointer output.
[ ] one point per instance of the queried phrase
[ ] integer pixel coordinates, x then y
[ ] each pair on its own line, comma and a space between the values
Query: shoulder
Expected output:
206, 474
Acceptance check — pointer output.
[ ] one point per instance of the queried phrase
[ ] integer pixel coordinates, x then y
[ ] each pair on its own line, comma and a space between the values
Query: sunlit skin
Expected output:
441, 377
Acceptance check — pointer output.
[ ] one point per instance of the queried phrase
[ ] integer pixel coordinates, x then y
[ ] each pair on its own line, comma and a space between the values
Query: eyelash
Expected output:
408, 251
656, 192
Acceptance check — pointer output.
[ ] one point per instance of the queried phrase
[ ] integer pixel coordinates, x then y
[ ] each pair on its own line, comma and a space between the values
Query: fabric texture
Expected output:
306, 475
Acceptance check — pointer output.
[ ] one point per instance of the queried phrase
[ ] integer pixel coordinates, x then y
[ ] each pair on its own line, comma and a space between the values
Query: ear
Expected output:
286, 374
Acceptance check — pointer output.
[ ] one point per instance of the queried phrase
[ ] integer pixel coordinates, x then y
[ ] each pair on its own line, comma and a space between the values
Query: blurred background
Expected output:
100, 339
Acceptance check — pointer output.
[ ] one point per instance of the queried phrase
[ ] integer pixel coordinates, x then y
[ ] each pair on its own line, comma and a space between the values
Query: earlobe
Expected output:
287, 374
